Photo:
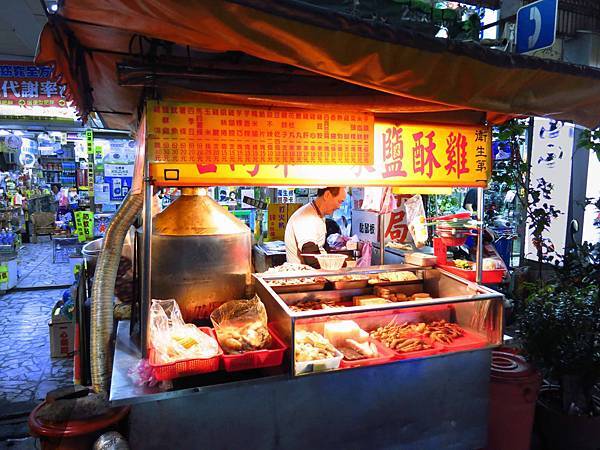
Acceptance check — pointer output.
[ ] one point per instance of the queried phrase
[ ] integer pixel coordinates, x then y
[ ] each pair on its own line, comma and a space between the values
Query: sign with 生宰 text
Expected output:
225, 134
416, 155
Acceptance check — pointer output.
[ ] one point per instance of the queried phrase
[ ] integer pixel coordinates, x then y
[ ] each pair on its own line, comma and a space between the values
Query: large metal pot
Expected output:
201, 255
91, 252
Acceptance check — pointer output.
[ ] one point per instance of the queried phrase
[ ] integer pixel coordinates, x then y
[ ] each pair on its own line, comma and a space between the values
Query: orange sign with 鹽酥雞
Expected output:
224, 134
412, 155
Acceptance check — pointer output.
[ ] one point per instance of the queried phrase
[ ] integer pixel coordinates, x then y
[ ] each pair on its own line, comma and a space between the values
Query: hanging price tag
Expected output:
84, 224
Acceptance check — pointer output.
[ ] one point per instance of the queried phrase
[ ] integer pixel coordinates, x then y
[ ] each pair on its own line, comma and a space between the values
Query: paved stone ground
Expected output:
27, 371
36, 268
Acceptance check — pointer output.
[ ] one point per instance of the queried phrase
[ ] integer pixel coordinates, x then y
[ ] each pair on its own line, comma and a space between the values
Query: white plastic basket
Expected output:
331, 261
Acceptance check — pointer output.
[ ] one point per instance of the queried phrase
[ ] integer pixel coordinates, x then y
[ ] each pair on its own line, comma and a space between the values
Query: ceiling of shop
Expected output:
21, 22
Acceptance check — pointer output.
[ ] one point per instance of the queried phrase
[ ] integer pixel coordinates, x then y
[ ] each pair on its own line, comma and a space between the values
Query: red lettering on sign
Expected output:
457, 154
423, 157
393, 152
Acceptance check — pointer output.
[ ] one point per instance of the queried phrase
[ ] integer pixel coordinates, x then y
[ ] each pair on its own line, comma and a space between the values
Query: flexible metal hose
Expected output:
103, 291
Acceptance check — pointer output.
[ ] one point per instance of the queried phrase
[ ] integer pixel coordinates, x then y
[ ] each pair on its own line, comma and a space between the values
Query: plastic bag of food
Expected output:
417, 223
241, 326
174, 340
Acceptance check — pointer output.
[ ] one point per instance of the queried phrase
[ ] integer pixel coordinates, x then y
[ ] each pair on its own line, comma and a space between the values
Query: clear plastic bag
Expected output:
367, 252
174, 340
417, 223
241, 326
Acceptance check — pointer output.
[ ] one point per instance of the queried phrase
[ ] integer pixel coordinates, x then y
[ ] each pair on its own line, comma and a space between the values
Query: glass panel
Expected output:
345, 341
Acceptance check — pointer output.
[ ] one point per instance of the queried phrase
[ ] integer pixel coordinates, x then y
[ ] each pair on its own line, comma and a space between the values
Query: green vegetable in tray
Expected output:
463, 264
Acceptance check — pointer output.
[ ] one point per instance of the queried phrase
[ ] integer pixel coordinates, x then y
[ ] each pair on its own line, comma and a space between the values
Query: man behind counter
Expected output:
306, 231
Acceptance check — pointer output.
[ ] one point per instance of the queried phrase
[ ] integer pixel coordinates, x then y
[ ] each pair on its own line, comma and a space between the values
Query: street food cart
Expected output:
396, 110
367, 390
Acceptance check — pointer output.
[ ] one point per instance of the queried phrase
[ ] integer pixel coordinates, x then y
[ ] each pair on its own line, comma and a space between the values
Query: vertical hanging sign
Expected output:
3, 273
84, 224
89, 140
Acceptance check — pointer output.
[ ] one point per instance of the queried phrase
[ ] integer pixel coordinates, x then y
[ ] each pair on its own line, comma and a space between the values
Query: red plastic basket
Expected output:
185, 367
256, 359
487, 276
385, 355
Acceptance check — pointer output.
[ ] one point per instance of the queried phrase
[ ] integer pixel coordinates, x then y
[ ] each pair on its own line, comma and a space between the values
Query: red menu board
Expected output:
225, 134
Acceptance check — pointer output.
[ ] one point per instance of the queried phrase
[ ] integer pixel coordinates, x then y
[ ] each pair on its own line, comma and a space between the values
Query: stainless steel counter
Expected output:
424, 403
124, 391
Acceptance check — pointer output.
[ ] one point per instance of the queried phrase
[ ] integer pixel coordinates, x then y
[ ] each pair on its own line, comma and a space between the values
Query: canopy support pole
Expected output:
479, 266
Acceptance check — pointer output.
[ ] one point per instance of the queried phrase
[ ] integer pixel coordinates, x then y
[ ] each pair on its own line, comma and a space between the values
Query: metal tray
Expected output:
394, 283
299, 287
349, 284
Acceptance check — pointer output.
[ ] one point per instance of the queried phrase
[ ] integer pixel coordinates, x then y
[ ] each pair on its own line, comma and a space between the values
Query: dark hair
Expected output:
334, 191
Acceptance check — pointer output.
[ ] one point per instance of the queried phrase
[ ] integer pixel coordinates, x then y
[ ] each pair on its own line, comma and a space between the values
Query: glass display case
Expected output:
378, 315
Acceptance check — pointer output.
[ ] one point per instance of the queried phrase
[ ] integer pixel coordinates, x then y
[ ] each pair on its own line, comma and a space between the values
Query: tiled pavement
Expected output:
27, 372
36, 268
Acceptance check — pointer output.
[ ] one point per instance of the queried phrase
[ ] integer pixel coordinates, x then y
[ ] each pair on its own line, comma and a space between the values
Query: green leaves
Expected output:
559, 324
590, 139
560, 330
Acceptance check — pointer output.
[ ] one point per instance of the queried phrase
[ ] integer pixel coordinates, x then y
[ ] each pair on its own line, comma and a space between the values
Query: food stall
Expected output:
400, 355
339, 339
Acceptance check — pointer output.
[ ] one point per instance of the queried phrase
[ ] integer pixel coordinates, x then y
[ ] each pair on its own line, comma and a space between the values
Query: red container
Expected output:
514, 389
185, 367
385, 355
420, 353
467, 341
453, 241
74, 434
487, 276
271, 357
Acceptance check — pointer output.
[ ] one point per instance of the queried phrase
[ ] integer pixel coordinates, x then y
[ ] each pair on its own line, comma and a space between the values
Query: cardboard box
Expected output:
62, 335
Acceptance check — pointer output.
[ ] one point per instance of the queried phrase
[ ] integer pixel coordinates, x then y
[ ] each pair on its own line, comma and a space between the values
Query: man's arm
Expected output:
310, 248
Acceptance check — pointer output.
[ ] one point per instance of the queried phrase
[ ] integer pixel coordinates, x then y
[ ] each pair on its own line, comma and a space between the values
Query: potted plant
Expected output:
559, 330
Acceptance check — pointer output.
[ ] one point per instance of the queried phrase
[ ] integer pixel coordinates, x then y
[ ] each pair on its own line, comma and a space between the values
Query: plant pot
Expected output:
560, 431
514, 388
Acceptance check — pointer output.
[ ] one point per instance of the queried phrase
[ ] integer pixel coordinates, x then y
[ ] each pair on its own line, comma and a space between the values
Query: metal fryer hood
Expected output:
195, 214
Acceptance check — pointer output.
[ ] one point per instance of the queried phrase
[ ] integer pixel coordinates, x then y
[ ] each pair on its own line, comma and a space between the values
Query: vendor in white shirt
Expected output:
306, 232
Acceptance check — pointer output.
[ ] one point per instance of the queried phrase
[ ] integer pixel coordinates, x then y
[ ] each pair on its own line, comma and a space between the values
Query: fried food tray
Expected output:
318, 286
349, 284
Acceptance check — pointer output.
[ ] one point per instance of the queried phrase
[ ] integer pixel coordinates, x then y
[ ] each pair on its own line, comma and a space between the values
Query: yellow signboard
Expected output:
405, 155
225, 134
279, 214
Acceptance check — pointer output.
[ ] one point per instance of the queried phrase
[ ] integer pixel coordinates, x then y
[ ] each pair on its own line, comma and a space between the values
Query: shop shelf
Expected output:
487, 276
385, 355
186, 367
271, 357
